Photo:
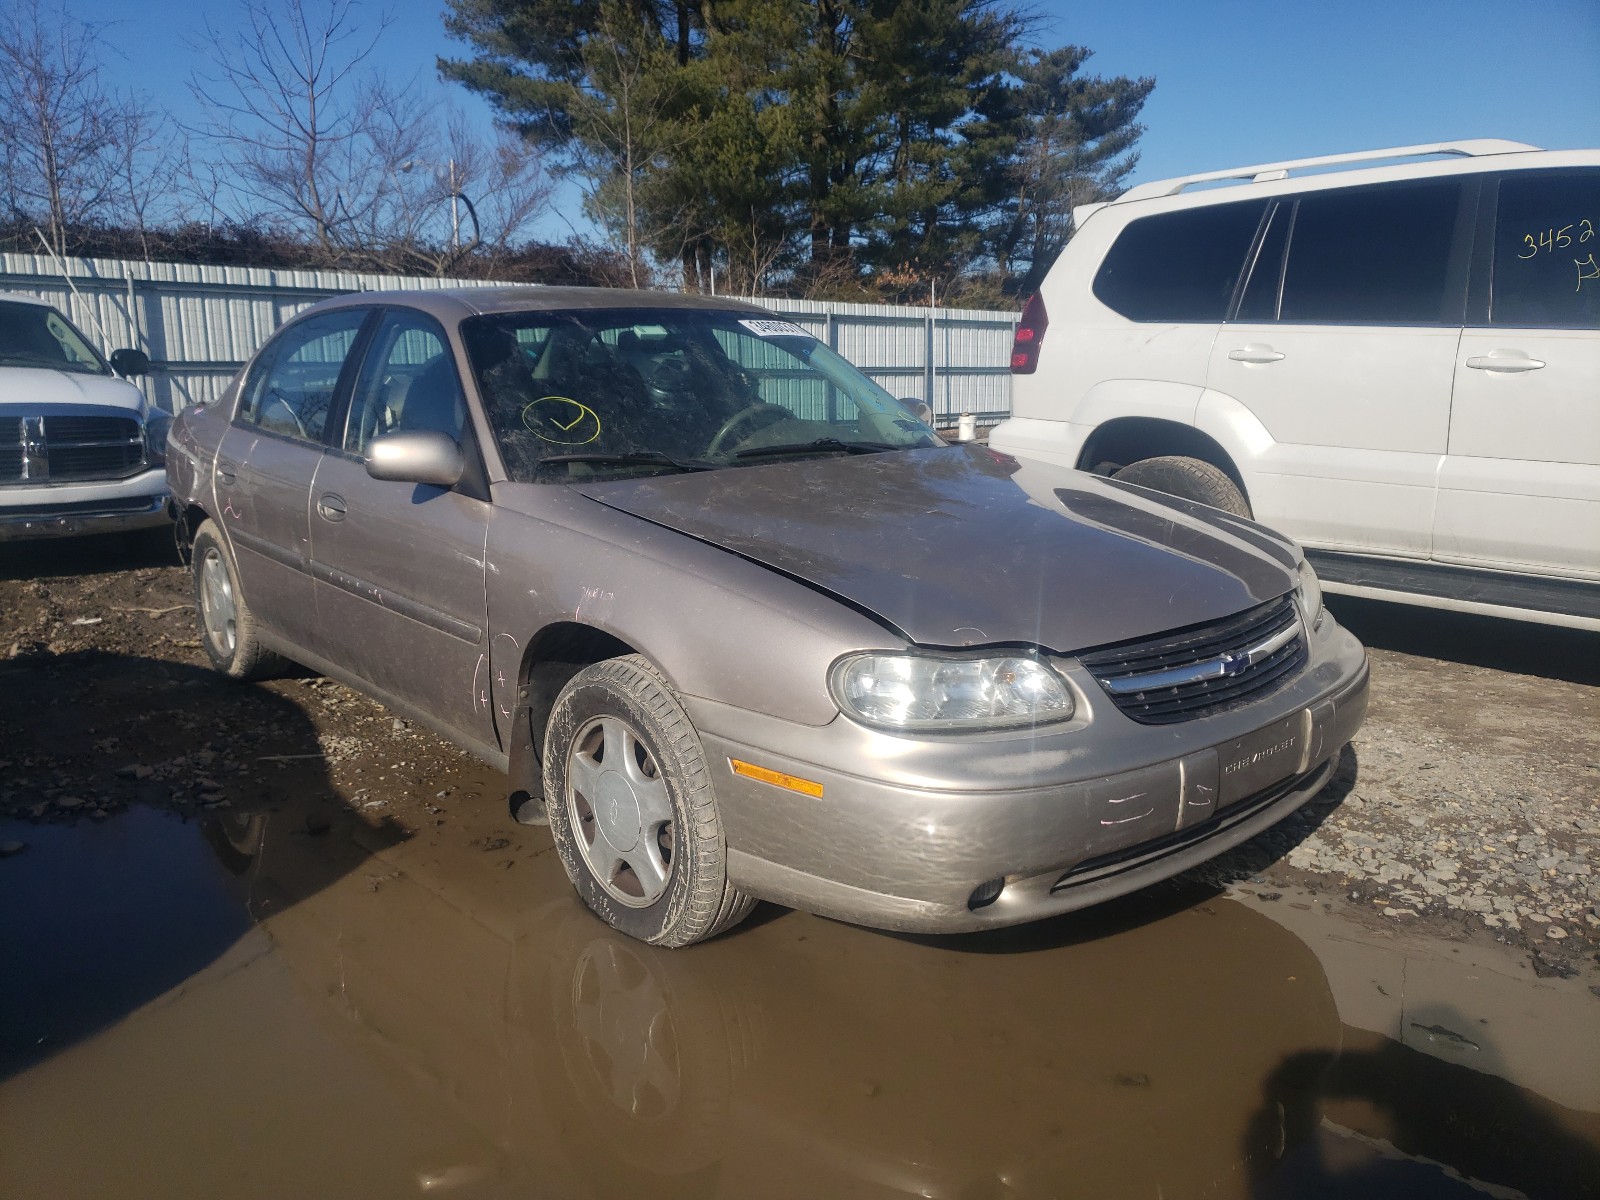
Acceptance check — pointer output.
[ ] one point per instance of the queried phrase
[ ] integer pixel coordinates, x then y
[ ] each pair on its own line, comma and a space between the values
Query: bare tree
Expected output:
63, 131
476, 199
314, 138
150, 152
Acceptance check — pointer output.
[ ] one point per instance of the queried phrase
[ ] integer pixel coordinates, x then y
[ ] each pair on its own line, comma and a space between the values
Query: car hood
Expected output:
961, 546
34, 387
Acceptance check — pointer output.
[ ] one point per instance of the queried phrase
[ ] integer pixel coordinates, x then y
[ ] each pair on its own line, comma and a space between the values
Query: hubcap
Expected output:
620, 812
217, 607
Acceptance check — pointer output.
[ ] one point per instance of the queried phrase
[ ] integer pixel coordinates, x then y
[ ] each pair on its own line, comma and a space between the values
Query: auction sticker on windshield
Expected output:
774, 328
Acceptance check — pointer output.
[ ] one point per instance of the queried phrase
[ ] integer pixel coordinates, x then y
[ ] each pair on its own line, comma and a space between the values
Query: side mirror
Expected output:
424, 456
130, 362
918, 408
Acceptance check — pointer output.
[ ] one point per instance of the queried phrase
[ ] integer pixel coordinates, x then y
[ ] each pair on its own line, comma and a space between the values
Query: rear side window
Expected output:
1179, 266
292, 386
1376, 256
1546, 252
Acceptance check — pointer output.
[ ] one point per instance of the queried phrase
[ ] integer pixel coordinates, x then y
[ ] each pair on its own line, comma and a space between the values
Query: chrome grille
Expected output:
66, 448
1204, 669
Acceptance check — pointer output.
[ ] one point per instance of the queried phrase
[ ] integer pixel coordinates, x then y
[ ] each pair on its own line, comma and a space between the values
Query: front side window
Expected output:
408, 382
612, 392
1179, 266
1375, 256
292, 385
32, 335
1546, 250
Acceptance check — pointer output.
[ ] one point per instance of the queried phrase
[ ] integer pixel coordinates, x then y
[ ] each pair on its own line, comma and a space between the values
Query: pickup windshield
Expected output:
33, 335
612, 393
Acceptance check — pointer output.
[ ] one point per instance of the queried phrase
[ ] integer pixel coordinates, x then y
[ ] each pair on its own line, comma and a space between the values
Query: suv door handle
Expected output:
1505, 360
331, 507
226, 474
1255, 353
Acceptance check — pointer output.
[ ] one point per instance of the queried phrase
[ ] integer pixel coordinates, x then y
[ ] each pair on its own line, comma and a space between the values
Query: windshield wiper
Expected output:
632, 458
827, 443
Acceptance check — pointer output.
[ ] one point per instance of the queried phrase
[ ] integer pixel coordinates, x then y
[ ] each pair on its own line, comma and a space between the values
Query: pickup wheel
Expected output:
227, 626
1188, 479
631, 807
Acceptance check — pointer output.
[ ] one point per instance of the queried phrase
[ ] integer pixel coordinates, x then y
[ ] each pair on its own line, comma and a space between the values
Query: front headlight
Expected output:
1310, 592
925, 692
157, 424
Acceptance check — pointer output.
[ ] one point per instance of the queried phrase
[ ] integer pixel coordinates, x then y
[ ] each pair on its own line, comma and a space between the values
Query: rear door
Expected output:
1343, 346
268, 459
399, 567
1520, 487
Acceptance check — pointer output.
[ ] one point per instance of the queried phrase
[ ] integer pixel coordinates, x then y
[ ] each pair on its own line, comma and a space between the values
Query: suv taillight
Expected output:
1030, 336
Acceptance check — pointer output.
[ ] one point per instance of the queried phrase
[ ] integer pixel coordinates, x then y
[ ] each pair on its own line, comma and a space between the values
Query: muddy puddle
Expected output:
287, 1005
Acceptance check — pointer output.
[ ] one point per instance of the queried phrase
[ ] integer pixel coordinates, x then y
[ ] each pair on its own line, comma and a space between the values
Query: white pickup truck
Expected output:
81, 449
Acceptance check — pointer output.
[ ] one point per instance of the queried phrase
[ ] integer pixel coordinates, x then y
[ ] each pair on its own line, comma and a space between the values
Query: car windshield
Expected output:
32, 335
612, 392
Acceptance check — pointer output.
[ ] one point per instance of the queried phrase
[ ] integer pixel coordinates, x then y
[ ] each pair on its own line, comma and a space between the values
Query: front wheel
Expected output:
631, 807
1188, 479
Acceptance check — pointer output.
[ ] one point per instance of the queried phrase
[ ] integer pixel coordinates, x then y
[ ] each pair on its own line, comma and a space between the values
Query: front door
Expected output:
1343, 348
399, 567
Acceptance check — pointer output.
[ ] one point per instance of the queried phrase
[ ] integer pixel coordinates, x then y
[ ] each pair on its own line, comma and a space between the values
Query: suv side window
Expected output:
408, 382
1375, 256
1546, 252
1179, 266
292, 387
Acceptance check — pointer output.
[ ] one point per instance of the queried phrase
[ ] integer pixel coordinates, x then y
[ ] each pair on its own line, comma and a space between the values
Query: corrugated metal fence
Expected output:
199, 324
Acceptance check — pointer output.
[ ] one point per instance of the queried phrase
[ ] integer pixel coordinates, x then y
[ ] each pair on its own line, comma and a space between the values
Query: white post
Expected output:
455, 211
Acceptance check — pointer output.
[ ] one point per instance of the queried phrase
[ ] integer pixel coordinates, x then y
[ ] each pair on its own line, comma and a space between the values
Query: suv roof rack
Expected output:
1265, 172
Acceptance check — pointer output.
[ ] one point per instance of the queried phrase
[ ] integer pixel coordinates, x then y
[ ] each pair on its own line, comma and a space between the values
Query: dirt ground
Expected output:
1467, 805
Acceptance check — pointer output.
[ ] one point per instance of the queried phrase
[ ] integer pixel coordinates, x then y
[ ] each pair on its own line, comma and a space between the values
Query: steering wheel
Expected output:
744, 416
670, 376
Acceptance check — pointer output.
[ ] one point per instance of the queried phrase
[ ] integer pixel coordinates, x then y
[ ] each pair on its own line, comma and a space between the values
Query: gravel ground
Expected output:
1468, 802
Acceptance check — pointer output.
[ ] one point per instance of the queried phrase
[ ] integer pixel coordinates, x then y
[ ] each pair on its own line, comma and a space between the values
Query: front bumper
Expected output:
70, 509
1092, 810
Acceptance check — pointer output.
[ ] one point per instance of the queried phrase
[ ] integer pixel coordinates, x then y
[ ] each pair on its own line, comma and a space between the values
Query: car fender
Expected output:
1237, 430
733, 629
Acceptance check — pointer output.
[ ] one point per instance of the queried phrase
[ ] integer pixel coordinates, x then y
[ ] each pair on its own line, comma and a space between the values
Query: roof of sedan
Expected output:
450, 301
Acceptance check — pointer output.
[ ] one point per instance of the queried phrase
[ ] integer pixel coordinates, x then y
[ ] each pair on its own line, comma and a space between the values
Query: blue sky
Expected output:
1238, 81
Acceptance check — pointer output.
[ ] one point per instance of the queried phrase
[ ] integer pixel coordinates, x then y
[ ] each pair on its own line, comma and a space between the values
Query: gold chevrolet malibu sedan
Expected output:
740, 625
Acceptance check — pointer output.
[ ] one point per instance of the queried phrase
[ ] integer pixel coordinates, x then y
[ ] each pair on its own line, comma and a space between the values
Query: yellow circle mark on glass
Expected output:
561, 421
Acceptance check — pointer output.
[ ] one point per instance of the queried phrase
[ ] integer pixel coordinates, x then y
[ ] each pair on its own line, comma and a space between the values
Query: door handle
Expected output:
1505, 360
331, 507
226, 474
1255, 353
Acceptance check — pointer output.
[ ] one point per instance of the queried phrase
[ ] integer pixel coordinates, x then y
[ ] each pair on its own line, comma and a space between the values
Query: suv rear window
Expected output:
1546, 252
1179, 266
1375, 256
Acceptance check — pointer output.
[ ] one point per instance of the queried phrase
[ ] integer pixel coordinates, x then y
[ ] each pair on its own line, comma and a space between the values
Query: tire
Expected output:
1188, 479
643, 845
226, 625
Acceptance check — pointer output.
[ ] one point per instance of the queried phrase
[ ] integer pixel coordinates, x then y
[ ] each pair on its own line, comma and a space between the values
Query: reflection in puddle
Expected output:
351, 1014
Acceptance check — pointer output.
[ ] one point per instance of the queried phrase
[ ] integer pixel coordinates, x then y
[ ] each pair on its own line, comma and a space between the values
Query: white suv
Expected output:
81, 450
1396, 363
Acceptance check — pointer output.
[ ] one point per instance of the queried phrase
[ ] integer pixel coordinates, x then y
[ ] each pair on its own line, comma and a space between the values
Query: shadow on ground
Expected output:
1500, 645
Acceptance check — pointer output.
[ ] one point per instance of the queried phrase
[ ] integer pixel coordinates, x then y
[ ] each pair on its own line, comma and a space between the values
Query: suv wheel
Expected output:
1188, 479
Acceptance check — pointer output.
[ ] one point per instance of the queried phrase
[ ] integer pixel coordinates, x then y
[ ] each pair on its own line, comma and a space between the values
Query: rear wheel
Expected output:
1188, 479
631, 807
227, 626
